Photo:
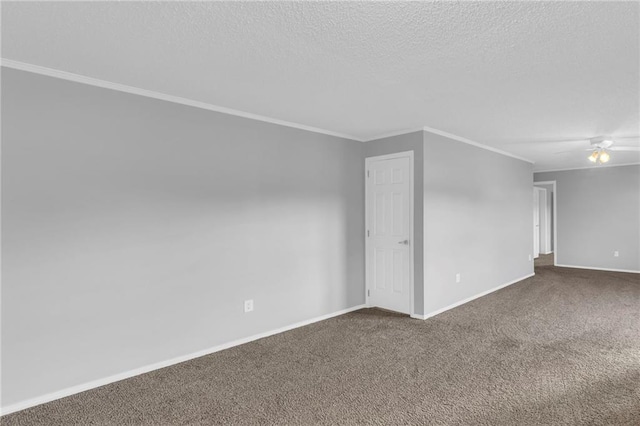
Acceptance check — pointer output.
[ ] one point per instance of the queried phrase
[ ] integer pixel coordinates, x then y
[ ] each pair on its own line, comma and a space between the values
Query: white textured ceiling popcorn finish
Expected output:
512, 75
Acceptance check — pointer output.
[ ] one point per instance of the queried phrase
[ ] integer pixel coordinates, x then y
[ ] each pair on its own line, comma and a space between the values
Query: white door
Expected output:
536, 223
389, 242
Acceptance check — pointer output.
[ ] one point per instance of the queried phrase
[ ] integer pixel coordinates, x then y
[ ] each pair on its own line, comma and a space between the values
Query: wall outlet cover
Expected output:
248, 305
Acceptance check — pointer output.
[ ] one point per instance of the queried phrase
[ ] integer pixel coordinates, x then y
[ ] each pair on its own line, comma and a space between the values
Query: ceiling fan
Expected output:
601, 146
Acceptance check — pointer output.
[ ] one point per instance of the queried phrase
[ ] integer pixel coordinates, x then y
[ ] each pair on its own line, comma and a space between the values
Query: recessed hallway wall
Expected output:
598, 214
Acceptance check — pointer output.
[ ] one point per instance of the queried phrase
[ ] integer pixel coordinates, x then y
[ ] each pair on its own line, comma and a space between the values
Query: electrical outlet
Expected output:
616, 253
529, 258
458, 277
248, 305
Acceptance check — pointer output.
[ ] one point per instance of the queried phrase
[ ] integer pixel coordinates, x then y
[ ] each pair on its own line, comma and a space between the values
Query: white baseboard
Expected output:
469, 299
630, 271
136, 372
418, 316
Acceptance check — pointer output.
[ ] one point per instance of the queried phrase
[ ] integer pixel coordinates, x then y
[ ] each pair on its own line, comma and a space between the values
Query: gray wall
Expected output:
549, 188
133, 229
409, 142
598, 213
478, 208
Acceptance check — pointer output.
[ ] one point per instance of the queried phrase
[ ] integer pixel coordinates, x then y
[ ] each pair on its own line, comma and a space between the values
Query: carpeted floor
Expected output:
544, 260
560, 348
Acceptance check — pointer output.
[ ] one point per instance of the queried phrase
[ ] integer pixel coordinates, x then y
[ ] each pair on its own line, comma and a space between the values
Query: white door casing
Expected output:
553, 213
389, 233
543, 220
536, 223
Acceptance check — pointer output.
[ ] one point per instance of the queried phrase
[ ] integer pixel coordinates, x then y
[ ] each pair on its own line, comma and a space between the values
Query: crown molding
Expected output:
64, 75
474, 143
395, 133
450, 136
596, 167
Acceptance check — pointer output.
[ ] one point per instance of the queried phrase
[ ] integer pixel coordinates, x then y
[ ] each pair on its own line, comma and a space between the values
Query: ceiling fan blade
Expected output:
573, 151
627, 139
546, 142
625, 148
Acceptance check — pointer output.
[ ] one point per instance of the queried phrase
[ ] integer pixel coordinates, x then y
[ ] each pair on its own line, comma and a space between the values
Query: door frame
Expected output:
555, 217
545, 231
367, 162
536, 212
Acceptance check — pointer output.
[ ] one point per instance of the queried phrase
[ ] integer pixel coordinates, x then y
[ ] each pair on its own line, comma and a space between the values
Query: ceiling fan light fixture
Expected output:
604, 156
594, 156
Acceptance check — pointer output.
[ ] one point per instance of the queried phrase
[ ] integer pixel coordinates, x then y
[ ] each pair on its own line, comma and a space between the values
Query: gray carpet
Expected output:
544, 260
560, 348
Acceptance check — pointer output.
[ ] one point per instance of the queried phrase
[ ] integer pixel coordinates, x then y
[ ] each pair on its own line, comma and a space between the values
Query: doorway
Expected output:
545, 240
389, 231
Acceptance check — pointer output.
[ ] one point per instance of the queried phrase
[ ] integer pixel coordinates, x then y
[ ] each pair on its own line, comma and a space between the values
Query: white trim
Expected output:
367, 161
547, 223
391, 156
136, 372
630, 271
555, 217
64, 75
469, 299
396, 133
450, 136
547, 227
537, 191
598, 166
474, 143
418, 316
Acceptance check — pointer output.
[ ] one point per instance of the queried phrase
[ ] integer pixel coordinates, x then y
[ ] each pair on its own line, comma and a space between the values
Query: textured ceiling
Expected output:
512, 75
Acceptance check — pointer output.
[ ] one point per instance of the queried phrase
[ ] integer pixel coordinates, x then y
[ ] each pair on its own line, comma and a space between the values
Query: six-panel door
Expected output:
389, 234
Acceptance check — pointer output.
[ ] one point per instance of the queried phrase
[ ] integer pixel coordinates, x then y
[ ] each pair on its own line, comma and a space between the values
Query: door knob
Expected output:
405, 242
